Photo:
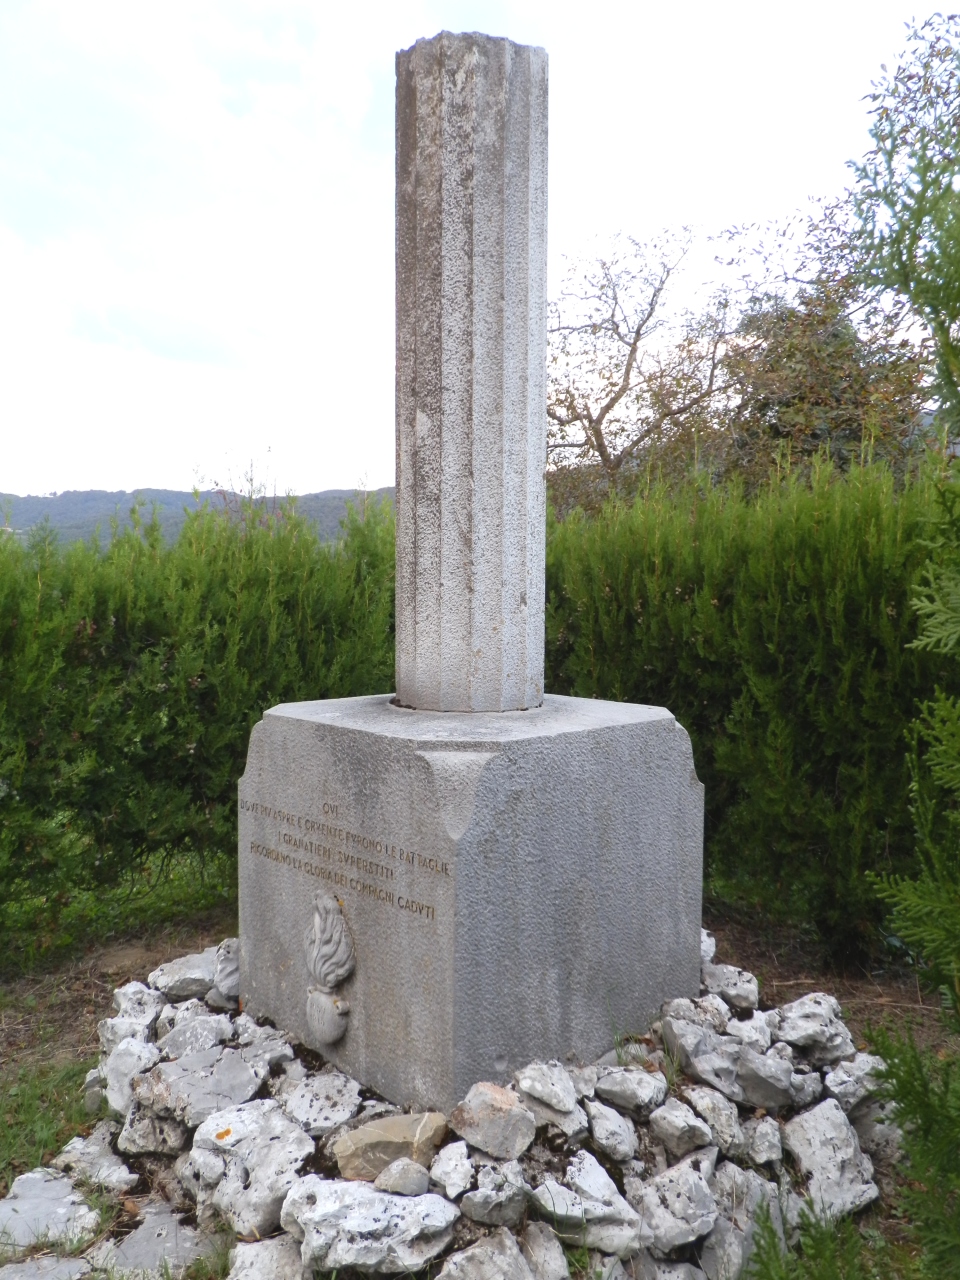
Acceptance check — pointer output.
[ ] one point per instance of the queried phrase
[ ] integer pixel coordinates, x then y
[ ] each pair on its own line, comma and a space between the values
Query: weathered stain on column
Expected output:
471, 373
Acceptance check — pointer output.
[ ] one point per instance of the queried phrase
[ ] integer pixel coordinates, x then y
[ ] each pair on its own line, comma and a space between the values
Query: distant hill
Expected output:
79, 513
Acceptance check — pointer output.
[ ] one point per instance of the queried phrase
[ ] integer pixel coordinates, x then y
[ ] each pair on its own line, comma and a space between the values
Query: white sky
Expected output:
196, 203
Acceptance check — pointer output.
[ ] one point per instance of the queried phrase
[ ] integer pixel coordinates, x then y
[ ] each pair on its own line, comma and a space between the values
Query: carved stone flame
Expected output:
331, 959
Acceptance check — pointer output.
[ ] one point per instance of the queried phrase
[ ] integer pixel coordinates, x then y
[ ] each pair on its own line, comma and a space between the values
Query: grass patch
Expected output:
42, 1110
37, 931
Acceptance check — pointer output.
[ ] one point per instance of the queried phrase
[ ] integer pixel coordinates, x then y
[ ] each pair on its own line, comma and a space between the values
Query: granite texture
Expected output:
515, 886
471, 176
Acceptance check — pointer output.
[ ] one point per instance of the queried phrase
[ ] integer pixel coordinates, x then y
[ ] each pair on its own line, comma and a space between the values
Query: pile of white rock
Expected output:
654, 1161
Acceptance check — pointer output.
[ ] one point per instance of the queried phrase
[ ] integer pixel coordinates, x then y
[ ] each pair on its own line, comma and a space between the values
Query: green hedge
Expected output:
130, 679
776, 629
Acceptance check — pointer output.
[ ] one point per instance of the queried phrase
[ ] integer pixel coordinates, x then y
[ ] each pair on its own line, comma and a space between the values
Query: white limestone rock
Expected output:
226, 970
129, 1060
544, 1252
708, 947
612, 1132
720, 1114
548, 1082
851, 1083
188, 977
497, 1257
196, 1085
736, 986
754, 1031
110, 1032
813, 1024
137, 1001
589, 1209
261, 1152
452, 1170
351, 1224
762, 1143
584, 1080
195, 1035
825, 1146
500, 1198
93, 1160
495, 1120
646, 1267
144, 1133
44, 1206
93, 1094
160, 1247
631, 1088
404, 1177
679, 1128
262, 1047
877, 1129
739, 1193
274, 1259
46, 1268
807, 1088
677, 1207
766, 1080
708, 1011
320, 1103
572, 1124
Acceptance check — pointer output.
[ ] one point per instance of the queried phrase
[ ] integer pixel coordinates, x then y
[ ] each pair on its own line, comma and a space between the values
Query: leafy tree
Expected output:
906, 193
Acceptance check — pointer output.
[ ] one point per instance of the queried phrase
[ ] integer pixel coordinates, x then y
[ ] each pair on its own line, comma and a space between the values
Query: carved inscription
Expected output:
366, 865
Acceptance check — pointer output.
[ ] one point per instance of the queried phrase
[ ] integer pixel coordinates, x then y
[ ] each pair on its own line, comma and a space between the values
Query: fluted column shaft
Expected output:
471, 369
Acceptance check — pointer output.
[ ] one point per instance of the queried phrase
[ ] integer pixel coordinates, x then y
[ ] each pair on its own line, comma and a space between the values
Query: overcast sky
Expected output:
196, 203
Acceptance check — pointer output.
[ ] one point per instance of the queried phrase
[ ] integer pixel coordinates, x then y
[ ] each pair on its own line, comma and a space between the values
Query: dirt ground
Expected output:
52, 1017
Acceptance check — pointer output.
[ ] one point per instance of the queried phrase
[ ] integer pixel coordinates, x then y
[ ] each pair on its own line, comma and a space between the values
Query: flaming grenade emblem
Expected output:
331, 959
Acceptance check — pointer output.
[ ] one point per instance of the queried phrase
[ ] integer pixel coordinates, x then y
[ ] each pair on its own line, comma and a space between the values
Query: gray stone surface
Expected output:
187, 977
136, 1000
708, 947
678, 1127
403, 1177
452, 1170
226, 971
754, 1031
471, 366
827, 1151
126, 1063
196, 1035
144, 1133
419, 820
739, 1193
320, 1103
720, 1114
500, 1198
44, 1207
586, 1209
851, 1083
814, 1024
572, 1124
877, 1129
93, 1160
197, 1085
497, 1257
46, 1268
276, 1259
736, 987
612, 1132
351, 1224
762, 1142
256, 1153
160, 1248
495, 1120
766, 1081
631, 1088
677, 1207
548, 1082
544, 1252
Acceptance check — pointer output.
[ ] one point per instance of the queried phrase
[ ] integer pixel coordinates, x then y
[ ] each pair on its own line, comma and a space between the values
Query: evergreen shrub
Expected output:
777, 629
131, 676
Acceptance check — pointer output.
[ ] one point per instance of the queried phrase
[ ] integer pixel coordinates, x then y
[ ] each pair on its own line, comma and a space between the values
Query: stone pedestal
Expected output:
433, 899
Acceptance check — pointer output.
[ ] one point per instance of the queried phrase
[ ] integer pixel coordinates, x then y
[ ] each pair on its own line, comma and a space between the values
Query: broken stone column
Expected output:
471, 373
